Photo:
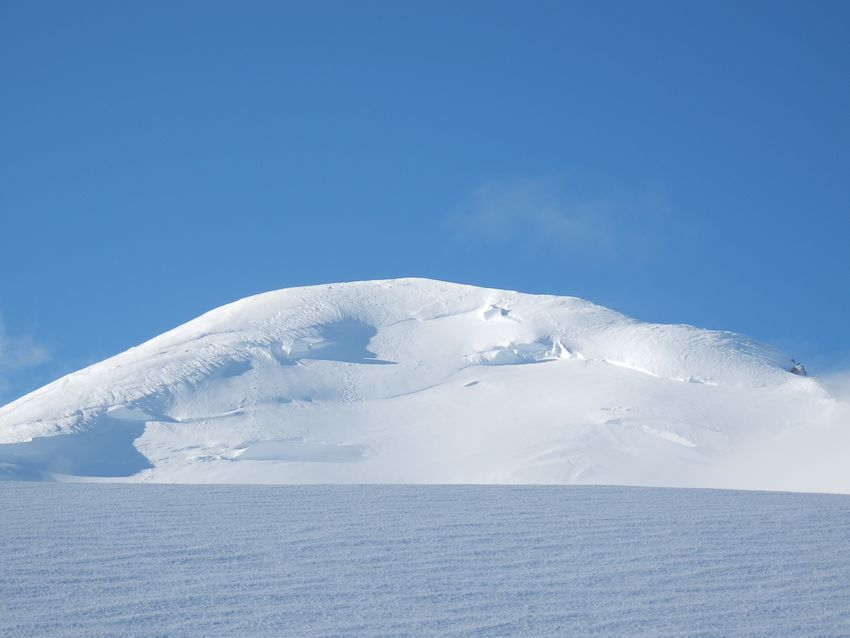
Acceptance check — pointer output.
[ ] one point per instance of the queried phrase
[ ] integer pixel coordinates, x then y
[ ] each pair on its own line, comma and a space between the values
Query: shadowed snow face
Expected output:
104, 450
344, 341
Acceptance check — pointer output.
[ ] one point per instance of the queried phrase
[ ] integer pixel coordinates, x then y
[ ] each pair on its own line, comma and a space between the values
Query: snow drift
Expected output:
212, 561
420, 381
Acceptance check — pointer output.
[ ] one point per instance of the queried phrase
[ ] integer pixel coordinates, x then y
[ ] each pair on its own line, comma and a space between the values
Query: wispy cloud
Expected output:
835, 376
568, 215
17, 354
838, 384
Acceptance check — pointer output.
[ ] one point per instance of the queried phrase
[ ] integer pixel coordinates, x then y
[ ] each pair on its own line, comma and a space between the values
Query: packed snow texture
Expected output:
421, 381
157, 560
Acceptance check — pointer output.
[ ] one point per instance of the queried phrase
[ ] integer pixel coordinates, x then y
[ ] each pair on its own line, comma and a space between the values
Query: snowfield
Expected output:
421, 381
156, 560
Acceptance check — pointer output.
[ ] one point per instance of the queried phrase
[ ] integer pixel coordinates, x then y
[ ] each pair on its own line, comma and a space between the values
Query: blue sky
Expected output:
679, 162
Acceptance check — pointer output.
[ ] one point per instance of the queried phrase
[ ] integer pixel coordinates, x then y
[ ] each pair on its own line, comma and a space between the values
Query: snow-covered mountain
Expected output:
421, 381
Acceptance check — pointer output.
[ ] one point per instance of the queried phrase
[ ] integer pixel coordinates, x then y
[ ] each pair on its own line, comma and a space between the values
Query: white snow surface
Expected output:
422, 381
377, 560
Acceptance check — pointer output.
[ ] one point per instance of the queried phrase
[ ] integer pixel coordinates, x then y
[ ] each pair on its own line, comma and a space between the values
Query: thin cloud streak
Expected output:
18, 353
555, 214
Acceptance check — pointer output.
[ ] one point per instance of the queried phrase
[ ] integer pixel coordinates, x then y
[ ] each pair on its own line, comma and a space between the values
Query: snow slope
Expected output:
421, 381
248, 560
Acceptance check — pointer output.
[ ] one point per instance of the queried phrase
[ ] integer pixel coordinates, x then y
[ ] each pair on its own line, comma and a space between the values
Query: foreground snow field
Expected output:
121, 560
421, 381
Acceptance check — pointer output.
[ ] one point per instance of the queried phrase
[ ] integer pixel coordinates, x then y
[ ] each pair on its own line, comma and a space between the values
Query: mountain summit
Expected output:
422, 381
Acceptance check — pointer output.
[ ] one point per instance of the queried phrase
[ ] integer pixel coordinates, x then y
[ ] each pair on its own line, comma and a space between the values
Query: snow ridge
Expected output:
415, 380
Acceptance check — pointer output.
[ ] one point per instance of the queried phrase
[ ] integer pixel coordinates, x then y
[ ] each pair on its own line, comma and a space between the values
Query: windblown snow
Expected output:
101, 561
421, 381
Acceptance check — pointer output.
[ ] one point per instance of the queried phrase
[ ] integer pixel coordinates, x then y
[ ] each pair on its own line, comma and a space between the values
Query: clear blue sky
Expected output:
677, 161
